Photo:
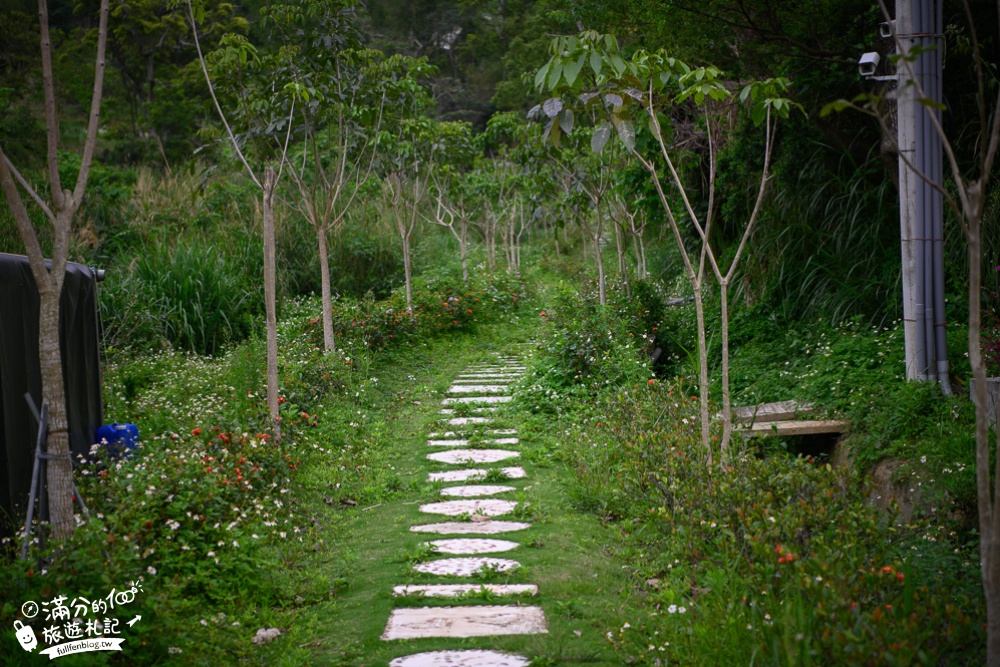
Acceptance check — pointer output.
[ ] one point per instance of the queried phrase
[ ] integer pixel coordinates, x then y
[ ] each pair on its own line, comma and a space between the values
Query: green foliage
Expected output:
189, 295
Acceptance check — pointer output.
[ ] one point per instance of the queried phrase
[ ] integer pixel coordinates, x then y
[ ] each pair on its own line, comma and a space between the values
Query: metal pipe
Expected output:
940, 320
920, 202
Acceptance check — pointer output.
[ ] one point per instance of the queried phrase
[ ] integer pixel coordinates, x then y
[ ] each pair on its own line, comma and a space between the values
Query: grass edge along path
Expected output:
370, 550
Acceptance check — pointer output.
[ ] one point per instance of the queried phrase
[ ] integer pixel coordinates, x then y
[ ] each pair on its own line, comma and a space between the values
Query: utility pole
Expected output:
917, 32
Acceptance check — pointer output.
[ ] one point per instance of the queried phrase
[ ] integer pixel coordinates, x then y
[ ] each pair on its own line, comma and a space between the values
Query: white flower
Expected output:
672, 609
151, 569
682, 610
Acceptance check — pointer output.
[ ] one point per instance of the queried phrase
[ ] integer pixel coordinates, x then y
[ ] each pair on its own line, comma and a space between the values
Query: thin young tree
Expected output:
265, 112
971, 177
60, 210
649, 84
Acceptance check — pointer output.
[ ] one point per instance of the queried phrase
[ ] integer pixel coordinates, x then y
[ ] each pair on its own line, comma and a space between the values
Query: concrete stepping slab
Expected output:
462, 456
466, 545
492, 379
461, 442
483, 507
462, 421
472, 474
471, 527
476, 490
466, 567
477, 399
478, 389
455, 590
449, 411
463, 434
472, 377
478, 621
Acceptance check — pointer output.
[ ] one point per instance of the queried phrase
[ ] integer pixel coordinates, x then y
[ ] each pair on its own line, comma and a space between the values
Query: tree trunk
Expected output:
727, 410
601, 283
407, 271
463, 248
642, 251
622, 267
59, 475
329, 344
699, 309
270, 297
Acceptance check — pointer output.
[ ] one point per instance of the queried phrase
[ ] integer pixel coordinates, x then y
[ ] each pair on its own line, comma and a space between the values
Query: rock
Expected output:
265, 635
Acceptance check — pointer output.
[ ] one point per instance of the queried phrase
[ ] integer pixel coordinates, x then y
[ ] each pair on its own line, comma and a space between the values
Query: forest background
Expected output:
171, 216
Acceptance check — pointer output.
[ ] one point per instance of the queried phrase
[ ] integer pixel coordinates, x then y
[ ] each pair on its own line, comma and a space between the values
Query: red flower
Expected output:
196, 432
651, 382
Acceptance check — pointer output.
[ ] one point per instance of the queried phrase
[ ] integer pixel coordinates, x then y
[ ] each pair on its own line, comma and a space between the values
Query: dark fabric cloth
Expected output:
20, 373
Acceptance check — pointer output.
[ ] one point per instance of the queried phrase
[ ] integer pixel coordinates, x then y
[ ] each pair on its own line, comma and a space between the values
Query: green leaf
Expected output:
834, 107
613, 100
653, 129
572, 69
554, 74
595, 63
626, 132
600, 137
540, 76
931, 103
566, 119
552, 106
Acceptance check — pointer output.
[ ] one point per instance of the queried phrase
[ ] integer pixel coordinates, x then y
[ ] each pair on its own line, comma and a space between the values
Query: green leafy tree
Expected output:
593, 70
263, 94
59, 210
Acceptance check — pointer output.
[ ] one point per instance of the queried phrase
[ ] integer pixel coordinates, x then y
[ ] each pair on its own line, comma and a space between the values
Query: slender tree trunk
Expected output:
270, 296
642, 251
638, 260
329, 344
463, 247
622, 266
601, 283
727, 409
407, 271
699, 309
989, 539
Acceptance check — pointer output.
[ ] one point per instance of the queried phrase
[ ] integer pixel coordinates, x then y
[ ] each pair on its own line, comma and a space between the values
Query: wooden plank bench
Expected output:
784, 418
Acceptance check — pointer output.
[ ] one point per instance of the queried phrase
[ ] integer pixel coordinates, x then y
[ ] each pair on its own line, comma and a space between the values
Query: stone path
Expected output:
473, 504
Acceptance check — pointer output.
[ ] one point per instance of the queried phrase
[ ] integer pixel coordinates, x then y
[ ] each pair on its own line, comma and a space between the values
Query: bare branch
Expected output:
215, 100
30, 190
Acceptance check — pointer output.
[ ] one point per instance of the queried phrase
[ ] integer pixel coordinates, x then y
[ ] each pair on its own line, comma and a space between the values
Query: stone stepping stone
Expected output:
478, 621
464, 441
461, 456
483, 507
461, 434
467, 545
462, 421
466, 567
478, 389
471, 474
491, 379
449, 411
470, 527
454, 590
477, 399
476, 490
472, 377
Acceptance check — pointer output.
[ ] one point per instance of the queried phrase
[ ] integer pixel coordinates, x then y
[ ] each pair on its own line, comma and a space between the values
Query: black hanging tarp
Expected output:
20, 372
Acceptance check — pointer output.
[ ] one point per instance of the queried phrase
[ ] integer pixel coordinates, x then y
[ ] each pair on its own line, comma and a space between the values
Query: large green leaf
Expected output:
566, 119
595, 63
626, 132
572, 69
599, 139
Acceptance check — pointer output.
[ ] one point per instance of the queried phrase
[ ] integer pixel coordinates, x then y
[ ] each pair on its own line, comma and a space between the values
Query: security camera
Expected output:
886, 29
868, 63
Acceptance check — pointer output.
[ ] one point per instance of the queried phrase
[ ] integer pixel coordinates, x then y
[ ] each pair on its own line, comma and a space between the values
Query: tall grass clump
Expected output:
191, 296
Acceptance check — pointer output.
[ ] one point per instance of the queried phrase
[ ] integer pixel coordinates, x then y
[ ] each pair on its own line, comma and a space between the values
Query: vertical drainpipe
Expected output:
940, 315
922, 259
906, 140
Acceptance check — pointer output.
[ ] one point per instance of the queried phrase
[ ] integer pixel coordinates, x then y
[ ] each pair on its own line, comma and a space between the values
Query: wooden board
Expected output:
797, 427
771, 412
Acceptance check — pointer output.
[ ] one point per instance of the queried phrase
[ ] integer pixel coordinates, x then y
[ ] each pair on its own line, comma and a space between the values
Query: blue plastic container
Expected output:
118, 439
